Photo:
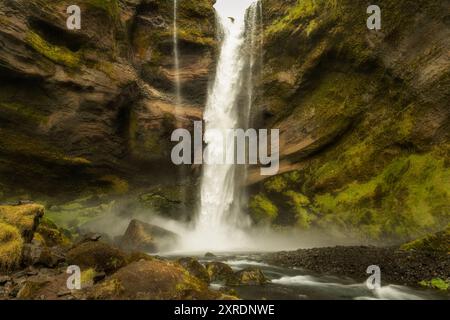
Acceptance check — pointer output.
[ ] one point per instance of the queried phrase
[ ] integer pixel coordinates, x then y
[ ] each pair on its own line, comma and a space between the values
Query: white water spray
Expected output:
220, 220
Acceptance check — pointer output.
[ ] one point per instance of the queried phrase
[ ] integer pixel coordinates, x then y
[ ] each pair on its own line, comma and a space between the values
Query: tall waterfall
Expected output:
220, 220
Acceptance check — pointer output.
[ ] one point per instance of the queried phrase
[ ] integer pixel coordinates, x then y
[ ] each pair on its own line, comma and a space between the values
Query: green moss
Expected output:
434, 243
409, 196
118, 185
87, 277
109, 6
25, 111
276, 184
51, 234
78, 212
54, 53
299, 204
436, 283
262, 209
11, 244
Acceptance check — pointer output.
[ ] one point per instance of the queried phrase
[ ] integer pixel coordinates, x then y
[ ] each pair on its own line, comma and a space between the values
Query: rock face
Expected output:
89, 108
141, 236
363, 118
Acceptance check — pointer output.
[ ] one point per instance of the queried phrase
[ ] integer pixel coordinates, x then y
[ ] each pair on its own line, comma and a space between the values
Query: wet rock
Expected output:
210, 255
141, 236
195, 268
35, 254
154, 279
251, 276
97, 255
221, 272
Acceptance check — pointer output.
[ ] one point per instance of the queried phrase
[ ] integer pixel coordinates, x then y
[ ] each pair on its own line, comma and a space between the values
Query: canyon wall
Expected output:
364, 117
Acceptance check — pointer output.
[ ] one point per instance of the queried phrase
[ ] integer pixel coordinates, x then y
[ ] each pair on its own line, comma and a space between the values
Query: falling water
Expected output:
220, 220
176, 54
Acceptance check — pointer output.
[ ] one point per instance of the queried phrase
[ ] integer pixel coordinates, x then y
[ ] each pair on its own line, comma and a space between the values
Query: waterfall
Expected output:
220, 221
176, 54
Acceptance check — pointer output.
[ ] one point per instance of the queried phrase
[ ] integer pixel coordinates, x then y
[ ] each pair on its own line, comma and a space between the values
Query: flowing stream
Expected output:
299, 284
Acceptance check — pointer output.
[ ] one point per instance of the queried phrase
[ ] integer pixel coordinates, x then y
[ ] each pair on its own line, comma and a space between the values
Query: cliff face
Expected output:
93, 108
364, 117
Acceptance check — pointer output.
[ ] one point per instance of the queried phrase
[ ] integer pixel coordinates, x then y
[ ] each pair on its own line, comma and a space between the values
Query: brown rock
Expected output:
153, 280
97, 255
251, 276
141, 236
195, 268
221, 272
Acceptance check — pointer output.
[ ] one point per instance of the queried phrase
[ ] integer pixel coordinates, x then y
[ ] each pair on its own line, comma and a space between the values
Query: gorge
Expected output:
87, 117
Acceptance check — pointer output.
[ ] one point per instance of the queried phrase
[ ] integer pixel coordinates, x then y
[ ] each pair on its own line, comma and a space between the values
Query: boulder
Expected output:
195, 268
210, 255
141, 236
251, 276
51, 235
36, 254
221, 272
152, 280
97, 255
24, 217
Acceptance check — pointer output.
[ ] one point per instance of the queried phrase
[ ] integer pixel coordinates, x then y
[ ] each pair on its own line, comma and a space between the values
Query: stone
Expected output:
251, 276
152, 280
98, 255
195, 268
141, 236
221, 272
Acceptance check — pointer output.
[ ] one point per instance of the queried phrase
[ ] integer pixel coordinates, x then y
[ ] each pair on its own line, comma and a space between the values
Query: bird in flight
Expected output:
232, 19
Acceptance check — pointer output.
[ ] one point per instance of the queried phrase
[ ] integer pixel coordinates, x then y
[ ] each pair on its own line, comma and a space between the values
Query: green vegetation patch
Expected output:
59, 55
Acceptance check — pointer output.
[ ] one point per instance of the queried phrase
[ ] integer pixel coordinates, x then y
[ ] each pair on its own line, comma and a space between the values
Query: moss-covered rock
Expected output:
362, 140
434, 243
51, 235
97, 255
251, 276
221, 272
262, 209
24, 217
11, 244
195, 268
153, 280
